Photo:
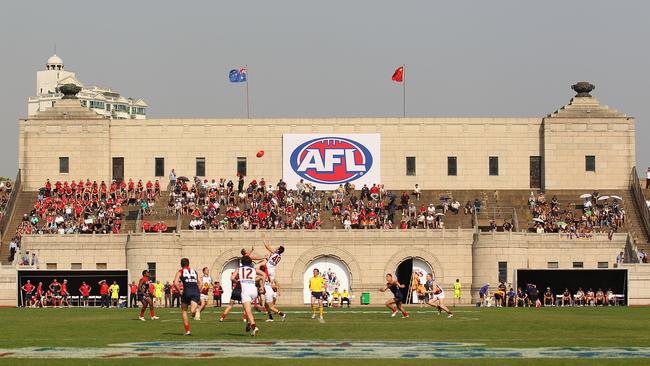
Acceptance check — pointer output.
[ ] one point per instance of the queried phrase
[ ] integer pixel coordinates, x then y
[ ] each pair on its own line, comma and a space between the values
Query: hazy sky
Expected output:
333, 58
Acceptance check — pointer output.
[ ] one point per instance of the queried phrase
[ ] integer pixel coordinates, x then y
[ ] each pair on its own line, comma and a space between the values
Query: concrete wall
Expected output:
92, 144
638, 283
534, 251
369, 255
568, 140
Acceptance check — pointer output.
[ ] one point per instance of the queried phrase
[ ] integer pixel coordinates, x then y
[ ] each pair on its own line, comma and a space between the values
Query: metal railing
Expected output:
631, 255
11, 204
499, 213
138, 222
639, 201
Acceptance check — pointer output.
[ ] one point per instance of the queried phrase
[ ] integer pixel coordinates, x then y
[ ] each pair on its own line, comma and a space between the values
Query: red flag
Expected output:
398, 75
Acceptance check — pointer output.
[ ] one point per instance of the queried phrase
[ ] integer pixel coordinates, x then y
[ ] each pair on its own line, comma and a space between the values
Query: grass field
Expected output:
356, 336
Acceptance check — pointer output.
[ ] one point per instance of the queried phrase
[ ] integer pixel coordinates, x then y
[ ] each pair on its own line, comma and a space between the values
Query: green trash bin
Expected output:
365, 298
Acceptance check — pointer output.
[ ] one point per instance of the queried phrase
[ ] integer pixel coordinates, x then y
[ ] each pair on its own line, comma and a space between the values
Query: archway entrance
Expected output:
335, 271
226, 284
409, 268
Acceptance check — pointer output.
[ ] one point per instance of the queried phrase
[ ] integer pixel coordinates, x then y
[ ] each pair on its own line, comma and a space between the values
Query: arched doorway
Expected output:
230, 267
335, 271
410, 267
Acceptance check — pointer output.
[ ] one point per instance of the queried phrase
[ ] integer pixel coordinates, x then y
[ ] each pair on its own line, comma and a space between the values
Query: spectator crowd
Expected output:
597, 214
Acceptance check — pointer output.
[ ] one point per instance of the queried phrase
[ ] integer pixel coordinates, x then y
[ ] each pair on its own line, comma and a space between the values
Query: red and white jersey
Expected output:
207, 280
247, 276
273, 261
437, 290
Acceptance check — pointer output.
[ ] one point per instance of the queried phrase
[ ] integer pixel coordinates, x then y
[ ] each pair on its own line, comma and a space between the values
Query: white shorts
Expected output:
440, 296
204, 297
248, 294
271, 271
269, 293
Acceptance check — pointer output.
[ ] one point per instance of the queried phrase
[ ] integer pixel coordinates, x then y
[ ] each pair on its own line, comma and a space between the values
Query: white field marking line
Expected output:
320, 349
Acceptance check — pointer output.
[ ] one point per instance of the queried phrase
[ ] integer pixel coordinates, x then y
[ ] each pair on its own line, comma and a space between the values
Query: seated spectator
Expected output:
522, 298
579, 297
610, 297
417, 192
600, 297
549, 298
590, 298
567, 300
507, 226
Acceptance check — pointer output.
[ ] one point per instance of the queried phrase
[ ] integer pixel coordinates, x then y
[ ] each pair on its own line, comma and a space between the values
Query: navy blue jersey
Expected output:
189, 278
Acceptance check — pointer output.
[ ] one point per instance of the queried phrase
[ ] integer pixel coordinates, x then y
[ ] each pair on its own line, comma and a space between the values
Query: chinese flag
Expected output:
398, 75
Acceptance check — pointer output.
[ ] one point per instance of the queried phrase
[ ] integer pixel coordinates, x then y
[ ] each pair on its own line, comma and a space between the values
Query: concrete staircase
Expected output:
24, 204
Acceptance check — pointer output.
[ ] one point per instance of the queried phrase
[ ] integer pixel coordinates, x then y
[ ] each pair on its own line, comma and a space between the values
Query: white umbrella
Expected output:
586, 195
537, 219
602, 198
617, 198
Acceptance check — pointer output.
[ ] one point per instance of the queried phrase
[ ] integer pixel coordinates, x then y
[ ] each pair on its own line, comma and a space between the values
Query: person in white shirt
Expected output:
417, 192
647, 180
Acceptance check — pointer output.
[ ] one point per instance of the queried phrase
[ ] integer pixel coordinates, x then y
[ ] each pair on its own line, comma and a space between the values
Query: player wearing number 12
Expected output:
247, 274
191, 283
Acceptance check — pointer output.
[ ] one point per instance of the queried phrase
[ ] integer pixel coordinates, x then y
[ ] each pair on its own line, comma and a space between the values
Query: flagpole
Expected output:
248, 113
404, 90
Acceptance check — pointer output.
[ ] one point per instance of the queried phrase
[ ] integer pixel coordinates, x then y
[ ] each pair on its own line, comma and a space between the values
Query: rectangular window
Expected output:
64, 165
241, 166
160, 167
552, 265
108, 107
410, 165
603, 265
494, 165
101, 266
200, 167
75, 266
452, 168
50, 266
151, 266
590, 163
503, 272
578, 265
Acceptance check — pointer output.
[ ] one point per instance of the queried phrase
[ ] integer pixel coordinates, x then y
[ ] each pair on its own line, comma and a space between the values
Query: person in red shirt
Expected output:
65, 296
217, 290
133, 295
28, 289
103, 292
84, 290
39, 295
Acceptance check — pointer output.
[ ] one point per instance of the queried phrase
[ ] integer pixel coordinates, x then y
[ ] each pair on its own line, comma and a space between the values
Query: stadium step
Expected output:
24, 205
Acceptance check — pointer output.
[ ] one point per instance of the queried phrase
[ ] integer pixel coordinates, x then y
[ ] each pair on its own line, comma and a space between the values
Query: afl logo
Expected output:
331, 160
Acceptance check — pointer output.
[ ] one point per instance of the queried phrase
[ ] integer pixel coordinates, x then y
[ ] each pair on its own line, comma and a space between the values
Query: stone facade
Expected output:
561, 140
368, 255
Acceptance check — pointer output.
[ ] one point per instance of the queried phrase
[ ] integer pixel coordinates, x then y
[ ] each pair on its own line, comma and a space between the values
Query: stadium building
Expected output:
578, 149
103, 101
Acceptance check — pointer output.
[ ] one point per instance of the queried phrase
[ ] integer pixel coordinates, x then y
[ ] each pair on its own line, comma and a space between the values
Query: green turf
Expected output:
492, 327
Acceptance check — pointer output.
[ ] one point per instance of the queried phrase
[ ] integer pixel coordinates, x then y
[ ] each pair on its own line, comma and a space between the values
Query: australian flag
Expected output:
237, 75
